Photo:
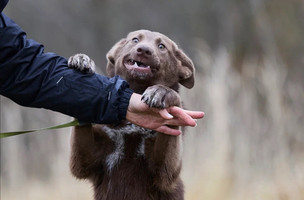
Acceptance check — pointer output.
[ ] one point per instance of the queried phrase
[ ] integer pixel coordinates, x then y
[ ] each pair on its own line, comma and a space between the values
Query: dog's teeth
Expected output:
131, 62
135, 64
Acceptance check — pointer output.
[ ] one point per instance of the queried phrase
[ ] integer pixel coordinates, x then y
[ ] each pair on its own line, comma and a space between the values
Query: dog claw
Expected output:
160, 97
82, 63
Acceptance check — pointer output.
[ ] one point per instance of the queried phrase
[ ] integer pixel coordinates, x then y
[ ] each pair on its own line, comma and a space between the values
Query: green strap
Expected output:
69, 124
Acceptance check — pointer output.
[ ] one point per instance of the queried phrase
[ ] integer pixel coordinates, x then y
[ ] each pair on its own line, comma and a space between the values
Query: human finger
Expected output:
182, 115
165, 114
169, 131
195, 114
176, 122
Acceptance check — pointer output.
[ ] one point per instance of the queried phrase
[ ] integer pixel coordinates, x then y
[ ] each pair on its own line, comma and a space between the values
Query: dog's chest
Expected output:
129, 143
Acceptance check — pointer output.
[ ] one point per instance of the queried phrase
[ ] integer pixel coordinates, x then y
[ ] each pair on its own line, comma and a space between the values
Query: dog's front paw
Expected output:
159, 96
82, 63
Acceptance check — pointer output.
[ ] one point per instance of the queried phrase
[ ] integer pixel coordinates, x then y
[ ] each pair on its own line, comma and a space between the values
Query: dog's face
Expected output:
146, 58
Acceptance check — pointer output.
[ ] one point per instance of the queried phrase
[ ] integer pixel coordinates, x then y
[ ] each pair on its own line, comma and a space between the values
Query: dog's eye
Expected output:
135, 40
161, 46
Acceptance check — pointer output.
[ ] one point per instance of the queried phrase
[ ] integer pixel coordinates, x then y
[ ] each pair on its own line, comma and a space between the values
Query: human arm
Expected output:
33, 78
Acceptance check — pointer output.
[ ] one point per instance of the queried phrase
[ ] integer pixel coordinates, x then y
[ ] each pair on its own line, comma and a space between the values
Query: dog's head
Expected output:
146, 58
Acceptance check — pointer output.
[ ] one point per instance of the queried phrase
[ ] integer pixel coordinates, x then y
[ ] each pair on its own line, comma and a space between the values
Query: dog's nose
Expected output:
144, 50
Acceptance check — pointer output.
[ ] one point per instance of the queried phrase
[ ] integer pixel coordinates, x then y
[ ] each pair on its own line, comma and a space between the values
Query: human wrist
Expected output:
135, 101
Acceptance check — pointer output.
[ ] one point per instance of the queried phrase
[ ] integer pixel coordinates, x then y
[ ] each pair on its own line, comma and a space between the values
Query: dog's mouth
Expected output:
137, 66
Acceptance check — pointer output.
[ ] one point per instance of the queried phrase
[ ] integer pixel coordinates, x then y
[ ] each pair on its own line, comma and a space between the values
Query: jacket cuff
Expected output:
124, 104
118, 97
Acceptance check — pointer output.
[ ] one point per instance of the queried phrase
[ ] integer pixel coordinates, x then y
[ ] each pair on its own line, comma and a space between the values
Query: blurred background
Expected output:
249, 58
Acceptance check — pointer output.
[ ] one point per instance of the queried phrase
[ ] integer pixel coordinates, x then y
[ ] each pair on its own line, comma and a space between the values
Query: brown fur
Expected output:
126, 161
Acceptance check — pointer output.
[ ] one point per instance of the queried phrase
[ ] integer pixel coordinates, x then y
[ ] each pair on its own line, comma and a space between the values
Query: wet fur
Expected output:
125, 161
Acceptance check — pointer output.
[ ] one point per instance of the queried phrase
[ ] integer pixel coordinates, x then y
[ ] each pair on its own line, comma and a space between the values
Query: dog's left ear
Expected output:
112, 56
185, 69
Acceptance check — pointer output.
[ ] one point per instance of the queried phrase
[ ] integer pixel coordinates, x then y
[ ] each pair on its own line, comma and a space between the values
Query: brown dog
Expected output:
127, 161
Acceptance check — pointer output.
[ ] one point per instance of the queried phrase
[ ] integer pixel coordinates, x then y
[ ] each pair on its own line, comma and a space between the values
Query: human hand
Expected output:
142, 115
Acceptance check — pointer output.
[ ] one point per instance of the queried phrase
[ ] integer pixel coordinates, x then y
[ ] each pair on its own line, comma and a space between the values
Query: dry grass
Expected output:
251, 143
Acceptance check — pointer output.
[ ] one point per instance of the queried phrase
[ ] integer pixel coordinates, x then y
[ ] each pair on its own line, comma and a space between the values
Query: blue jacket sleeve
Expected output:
33, 78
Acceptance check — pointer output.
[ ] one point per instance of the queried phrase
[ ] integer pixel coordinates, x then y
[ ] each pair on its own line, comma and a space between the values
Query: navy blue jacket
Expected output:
33, 78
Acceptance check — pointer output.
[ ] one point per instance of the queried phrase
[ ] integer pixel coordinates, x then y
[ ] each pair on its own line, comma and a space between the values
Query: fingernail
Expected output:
169, 116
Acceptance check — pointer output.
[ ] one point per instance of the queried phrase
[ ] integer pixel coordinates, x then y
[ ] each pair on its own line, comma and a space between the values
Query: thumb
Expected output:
165, 114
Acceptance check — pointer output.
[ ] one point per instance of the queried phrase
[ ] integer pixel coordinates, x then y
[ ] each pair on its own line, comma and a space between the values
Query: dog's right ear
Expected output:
112, 56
